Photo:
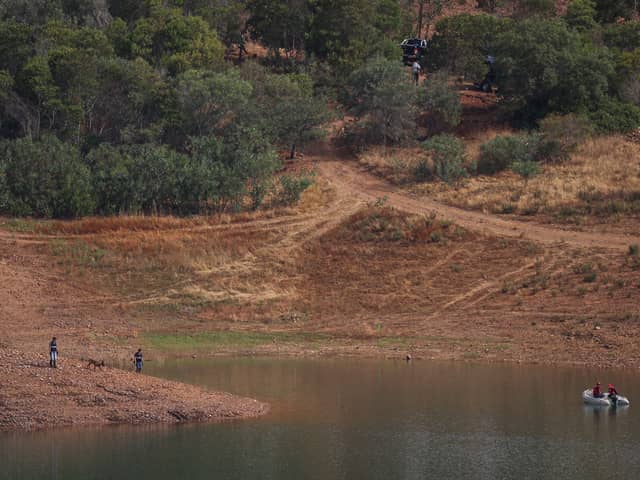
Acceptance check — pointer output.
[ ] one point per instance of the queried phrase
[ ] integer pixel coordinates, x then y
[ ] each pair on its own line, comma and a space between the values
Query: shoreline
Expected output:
34, 396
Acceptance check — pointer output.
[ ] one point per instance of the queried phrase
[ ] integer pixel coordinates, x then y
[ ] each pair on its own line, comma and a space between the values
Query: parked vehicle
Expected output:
413, 49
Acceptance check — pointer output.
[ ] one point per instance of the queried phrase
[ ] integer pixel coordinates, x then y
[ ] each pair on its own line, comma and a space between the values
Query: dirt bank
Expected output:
34, 396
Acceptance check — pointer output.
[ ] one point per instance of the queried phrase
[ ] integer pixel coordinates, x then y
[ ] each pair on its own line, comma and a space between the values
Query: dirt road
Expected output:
349, 179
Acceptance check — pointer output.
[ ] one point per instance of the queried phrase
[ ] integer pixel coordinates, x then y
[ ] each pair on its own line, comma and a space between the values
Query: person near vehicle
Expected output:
597, 393
137, 358
53, 353
415, 68
612, 390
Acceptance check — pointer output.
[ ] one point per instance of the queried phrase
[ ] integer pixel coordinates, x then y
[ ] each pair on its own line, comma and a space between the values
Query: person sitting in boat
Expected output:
596, 391
612, 391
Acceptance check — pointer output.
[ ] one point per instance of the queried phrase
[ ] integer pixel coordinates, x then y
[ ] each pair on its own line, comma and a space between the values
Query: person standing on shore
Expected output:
137, 358
53, 353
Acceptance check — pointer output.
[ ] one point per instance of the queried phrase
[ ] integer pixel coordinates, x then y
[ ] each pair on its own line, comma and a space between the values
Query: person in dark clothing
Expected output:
137, 358
597, 393
53, 353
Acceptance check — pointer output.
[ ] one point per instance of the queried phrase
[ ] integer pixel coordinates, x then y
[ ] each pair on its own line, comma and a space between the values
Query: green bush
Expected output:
44, 178
292, 187
442, 102
526, 168
615, 116
500, 152
560, 136
544, 67
383, 99
422, 171
448, 153
504, 151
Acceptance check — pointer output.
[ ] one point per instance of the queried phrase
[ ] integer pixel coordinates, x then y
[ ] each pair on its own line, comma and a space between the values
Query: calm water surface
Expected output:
360, 419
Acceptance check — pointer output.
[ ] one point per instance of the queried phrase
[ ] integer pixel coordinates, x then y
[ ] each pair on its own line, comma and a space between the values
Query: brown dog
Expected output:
95, 363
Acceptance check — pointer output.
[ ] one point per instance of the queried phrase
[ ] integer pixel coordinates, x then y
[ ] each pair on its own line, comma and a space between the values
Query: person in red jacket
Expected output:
596, 391
612, 390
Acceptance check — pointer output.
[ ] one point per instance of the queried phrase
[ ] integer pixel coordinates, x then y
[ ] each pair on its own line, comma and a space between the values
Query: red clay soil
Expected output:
35, 396
37, 302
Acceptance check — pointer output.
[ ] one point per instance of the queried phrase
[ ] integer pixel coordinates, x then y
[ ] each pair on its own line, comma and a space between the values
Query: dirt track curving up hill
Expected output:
299, 281
349, 179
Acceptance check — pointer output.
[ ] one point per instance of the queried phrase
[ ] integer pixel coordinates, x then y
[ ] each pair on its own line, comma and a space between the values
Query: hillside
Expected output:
205, 178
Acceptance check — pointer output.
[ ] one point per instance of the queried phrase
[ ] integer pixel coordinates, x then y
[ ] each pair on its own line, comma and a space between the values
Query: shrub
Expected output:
442, 102
615, 116
422, 171
560, 136
382, 98
542, 66
498, 153
503, 151
44, 178
114, 186
526, 168
448, 153
291, 188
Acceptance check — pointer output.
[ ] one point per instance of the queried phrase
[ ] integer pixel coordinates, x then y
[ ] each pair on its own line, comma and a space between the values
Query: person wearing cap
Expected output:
596, 391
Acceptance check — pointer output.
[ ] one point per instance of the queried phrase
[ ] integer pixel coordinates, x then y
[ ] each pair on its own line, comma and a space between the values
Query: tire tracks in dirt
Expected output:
351, 180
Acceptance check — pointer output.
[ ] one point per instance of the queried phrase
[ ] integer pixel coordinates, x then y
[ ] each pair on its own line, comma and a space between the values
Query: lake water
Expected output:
360, 419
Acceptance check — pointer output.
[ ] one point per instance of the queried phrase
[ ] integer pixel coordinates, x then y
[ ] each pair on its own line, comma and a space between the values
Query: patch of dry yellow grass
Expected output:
394, 164
397, 164
602, 168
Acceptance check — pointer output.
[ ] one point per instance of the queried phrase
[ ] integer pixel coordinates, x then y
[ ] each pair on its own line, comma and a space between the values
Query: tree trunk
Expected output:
292, 154
420, 16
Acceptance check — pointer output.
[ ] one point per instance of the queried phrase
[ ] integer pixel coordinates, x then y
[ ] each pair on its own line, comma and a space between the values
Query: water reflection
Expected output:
359, 419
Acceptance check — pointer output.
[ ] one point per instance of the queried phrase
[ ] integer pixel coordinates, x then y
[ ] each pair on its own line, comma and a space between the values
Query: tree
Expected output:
528, 8
462, 42
208, 100
293, 115
526, 169
226, 17
280, 25
427, 11
442, 102
31, 12
170, 40
581, 15
45, 178
383, 98
345, 34
610, 10
542, 66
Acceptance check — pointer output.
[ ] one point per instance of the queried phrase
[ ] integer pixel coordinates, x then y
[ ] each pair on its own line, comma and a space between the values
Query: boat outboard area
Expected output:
605, 400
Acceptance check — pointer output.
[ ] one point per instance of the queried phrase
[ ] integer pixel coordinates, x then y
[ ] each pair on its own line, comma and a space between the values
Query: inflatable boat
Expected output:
604, 401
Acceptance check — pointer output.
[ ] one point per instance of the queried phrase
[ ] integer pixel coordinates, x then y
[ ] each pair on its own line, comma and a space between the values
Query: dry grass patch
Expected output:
397, 165
602, 179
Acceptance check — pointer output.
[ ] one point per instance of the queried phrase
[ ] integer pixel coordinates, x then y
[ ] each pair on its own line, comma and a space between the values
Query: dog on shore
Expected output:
95, 363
